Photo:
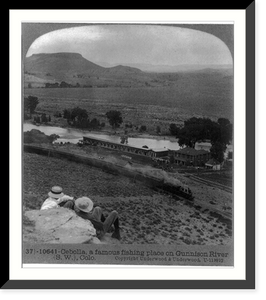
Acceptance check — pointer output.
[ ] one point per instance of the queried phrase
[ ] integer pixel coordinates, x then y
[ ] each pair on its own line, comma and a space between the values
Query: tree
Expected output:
174, 130
226, 130
79, 115
30, 104
184, 138
67, 114
128, 125
198, 129
64, 84
217, 151
44, 118
223, 122
142, 128
114, 117
94, 123
38, 119
57, 114
189, 135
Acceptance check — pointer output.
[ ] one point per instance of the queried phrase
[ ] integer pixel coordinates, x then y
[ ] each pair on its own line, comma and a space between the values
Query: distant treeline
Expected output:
63, 84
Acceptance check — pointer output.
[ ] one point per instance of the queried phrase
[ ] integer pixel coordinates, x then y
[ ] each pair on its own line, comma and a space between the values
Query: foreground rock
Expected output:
58, 226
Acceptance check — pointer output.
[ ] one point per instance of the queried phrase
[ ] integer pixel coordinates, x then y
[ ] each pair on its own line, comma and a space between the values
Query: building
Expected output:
213, 164
116, 146
191, 157
159, 153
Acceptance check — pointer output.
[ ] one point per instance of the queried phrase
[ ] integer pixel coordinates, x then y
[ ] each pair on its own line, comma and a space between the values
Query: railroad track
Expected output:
221, 214
212, 183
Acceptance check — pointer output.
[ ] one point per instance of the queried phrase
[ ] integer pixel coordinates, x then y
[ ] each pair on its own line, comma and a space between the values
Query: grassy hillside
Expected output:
146, 217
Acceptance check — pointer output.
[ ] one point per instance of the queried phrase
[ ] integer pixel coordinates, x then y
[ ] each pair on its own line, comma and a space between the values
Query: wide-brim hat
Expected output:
84, 204
56, 192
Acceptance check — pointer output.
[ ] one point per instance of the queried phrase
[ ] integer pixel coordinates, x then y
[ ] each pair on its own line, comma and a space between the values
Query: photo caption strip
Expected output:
128, 254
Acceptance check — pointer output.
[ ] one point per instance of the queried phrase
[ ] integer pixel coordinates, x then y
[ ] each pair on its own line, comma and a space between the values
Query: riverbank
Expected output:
108, 131
72, 135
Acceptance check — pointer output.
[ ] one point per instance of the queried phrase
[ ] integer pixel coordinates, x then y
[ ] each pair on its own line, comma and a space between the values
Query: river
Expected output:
74, 135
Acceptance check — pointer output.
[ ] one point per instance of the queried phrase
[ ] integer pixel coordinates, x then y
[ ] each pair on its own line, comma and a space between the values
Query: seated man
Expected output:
58, 199
84, 209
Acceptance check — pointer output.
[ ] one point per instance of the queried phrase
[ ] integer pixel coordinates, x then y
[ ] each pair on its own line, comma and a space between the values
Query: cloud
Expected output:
153, 44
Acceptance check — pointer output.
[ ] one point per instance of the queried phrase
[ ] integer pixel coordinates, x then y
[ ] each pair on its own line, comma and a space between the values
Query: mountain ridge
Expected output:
154, 68
69, 61
74, 69
42, 69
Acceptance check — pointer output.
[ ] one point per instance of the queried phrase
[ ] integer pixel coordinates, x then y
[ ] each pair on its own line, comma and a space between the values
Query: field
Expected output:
185, 96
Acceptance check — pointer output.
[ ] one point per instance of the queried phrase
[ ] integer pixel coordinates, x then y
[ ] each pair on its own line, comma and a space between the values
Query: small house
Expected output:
213, 164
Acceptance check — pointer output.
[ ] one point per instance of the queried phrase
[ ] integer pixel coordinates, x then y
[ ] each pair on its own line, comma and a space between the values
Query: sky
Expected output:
136, 44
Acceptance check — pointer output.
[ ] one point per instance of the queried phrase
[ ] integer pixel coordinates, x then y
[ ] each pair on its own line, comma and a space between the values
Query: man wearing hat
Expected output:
57, 199
84, 209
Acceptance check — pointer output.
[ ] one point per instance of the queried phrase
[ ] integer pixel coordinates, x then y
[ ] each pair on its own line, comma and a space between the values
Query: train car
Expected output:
171, 186
179, 190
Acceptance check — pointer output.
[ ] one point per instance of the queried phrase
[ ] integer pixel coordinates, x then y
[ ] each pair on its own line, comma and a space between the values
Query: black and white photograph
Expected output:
128, 143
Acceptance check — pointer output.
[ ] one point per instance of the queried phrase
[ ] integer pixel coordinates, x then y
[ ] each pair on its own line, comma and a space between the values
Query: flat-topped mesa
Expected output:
54, 63
70, 64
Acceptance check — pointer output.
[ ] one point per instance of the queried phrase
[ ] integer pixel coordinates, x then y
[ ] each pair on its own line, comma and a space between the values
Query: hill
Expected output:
58, 62
73, 68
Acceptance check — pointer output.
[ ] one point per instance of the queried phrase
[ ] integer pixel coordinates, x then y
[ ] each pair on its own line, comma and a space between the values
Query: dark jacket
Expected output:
87, 216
